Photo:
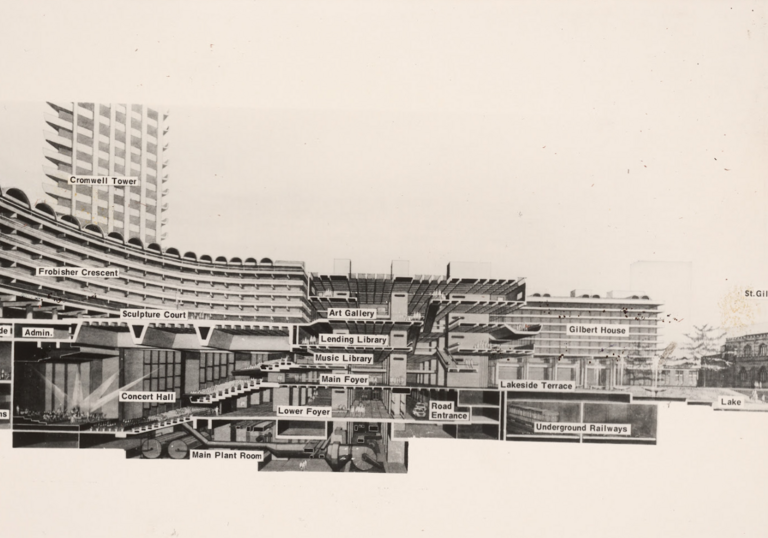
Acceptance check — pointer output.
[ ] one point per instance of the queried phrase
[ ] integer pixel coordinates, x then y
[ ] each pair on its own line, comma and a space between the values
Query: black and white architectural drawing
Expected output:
110, 339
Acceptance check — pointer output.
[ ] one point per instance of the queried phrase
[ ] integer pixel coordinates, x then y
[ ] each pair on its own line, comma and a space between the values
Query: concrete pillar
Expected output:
111, 169
49, 398
281, 397
433, 377
397, 369
554, 368
127, 170
191, 365
338, 398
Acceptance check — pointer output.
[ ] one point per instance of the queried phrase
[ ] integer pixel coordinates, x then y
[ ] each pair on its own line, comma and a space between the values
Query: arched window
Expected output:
762, 375
747, 350
762, 350
743, 376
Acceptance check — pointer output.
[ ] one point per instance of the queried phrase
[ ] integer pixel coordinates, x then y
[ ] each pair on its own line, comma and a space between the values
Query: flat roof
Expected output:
607, 300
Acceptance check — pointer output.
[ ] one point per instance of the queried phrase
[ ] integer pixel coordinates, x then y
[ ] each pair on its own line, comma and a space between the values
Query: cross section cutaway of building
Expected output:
315, 372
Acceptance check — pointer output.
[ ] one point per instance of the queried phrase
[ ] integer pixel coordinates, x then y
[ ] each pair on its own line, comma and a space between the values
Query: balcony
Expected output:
56, 140
56, 122
56, 174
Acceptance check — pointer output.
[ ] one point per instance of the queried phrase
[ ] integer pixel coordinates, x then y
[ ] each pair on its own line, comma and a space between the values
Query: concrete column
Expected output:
75, 130
281, 397
338, 398
434, 366
95, 164
554, 368
143, 176
159, 176
49, 400
128, 172
111, 192
191, 365
397, 369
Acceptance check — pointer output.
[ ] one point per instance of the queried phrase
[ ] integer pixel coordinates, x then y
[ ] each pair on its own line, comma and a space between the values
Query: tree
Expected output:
704, 341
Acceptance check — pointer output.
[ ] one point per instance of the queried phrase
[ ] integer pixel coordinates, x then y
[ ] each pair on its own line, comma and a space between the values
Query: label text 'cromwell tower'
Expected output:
97, 139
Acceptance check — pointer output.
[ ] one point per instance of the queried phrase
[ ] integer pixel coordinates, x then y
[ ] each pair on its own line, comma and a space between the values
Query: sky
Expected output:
560, 142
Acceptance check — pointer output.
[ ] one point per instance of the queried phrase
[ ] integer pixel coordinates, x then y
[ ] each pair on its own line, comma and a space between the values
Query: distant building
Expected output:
742, 363
96, 139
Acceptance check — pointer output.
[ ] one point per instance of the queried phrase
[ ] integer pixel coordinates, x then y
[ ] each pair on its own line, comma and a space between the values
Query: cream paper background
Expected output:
560, 141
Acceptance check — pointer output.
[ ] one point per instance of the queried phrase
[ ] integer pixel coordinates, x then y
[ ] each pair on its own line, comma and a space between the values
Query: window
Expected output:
163, 371
216, 367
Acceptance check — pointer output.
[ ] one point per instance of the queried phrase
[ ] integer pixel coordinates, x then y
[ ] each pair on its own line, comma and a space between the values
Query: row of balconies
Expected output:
143, 300
61, 140
104, 109
87, 128
138, 280
86, 167
113, 299
103, 248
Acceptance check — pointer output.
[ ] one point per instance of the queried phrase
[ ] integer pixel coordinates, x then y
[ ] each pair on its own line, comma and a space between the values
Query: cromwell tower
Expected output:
97, 139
